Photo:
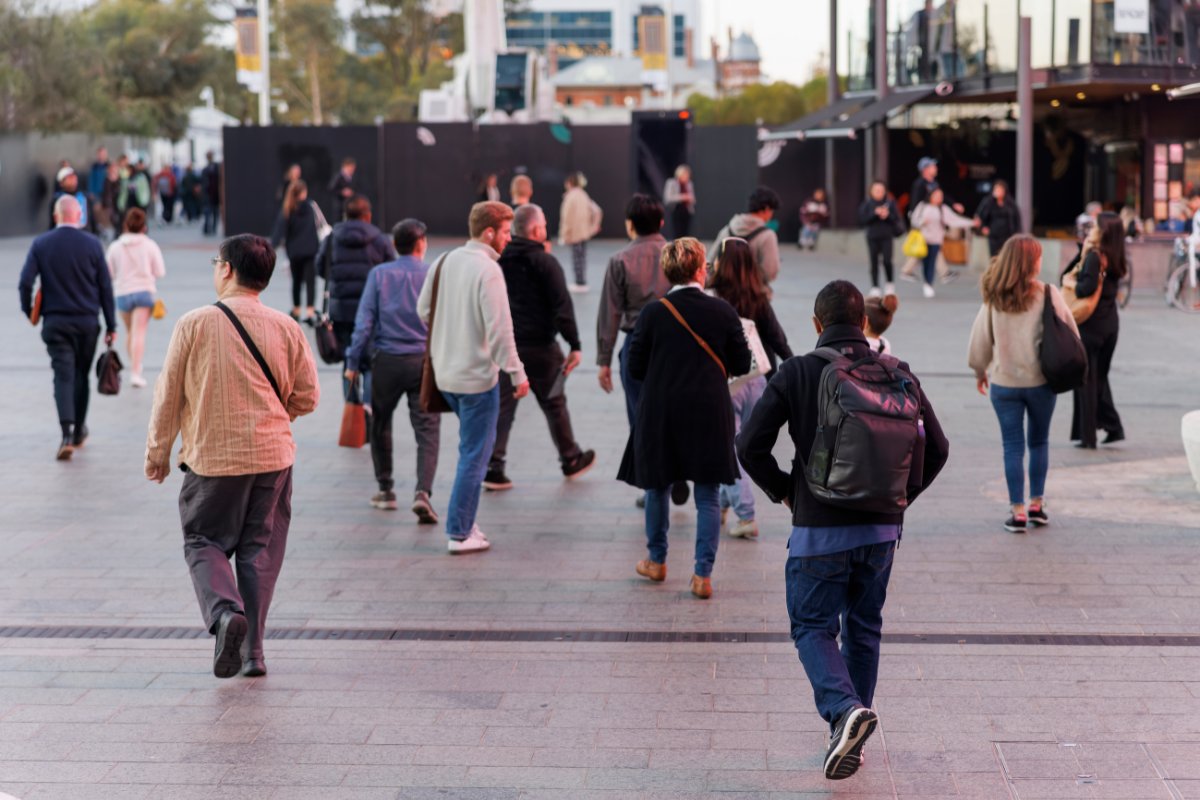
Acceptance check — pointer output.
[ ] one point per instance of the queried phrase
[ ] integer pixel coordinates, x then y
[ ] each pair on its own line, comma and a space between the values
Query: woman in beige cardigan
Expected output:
1006, 346
579, 220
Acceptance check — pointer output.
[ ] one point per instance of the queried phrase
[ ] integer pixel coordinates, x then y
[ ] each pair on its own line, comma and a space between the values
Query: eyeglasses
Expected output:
218, 260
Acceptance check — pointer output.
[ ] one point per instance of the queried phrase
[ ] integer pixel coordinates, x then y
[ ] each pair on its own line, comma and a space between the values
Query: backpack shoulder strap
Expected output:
750, 236
827, 353
253, 348
695, 335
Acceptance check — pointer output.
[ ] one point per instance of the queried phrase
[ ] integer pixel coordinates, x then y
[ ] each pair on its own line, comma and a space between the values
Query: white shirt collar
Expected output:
692, 285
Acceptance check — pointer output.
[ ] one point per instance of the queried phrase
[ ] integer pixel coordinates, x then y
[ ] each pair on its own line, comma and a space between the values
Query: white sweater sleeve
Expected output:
497, 321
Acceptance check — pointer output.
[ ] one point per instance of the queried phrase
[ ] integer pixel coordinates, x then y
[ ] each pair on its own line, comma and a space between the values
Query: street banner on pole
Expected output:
248, 59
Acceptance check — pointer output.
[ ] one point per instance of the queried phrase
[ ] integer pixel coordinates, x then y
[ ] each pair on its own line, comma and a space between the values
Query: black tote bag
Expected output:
1064, 359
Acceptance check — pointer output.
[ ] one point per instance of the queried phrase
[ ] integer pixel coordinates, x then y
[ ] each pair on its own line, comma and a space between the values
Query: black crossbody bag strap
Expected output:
253, 348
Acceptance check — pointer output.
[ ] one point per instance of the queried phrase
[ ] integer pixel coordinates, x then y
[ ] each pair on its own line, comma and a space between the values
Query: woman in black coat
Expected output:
1093, 401
684, 426
297, 224
998, 218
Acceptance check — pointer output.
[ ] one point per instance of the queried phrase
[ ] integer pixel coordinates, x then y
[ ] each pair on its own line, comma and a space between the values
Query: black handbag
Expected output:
1063, 356
328, 346
108, 372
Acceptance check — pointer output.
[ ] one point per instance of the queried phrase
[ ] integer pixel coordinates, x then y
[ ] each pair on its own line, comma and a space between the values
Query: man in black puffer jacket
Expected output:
346, 256
840, 558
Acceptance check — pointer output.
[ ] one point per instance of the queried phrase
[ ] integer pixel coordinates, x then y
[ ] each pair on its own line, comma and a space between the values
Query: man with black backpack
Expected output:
867, 444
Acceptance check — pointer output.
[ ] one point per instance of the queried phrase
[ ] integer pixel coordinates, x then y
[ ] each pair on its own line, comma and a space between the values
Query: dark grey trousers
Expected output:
394, 377
246, 516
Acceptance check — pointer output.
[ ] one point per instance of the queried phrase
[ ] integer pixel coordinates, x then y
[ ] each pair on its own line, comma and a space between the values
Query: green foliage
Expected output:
774, 104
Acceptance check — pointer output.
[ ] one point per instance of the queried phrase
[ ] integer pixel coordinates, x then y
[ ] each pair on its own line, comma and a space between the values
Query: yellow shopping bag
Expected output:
914, 245
159, 311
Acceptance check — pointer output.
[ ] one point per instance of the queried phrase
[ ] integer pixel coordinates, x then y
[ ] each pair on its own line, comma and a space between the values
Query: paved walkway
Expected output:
90, 543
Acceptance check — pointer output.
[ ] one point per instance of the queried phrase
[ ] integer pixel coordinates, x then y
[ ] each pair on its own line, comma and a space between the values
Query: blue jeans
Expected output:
476, 435
632, 386
708, 525
1011, 407
739, 495
840, 592
126, 303
931, 262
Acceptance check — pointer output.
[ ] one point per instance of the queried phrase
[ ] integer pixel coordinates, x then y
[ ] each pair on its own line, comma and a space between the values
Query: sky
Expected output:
789, 33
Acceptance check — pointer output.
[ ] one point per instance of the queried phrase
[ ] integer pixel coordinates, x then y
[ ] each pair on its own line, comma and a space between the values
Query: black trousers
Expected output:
305, 276
168, 204
1094, 408
681, 220
72, 347
242, 516
393, 377
541, 366
881, 248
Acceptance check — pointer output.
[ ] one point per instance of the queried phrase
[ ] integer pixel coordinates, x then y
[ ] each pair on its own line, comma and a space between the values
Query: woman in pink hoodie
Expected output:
135, 261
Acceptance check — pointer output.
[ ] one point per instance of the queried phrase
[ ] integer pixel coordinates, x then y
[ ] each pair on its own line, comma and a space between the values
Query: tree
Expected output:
312, 32
773, 104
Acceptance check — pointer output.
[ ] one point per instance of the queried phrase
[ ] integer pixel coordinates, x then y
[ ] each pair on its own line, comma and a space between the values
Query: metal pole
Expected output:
264, 61
1025, 125
882, 90
831, 95
669, 30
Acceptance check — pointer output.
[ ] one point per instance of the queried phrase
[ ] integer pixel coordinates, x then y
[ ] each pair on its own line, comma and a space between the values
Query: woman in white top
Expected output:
1006, 343
679, 196
135, 261
578, 220
931, 218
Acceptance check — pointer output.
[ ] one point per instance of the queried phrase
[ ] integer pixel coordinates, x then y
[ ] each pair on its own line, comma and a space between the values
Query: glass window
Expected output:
679, 46
1167, 33
1061, 32
583, 32
856, 43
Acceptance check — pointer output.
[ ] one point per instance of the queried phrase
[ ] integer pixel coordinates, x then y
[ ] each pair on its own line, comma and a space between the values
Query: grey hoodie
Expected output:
765, 245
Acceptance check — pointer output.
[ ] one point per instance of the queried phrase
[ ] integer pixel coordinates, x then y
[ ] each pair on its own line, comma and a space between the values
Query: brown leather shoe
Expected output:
702, 587
652, 570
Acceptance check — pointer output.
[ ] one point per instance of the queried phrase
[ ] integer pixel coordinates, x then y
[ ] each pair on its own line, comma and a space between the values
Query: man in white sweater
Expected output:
470, 342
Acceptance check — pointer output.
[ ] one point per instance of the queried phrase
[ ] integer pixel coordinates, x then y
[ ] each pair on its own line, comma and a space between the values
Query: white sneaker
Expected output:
874, 292
579, 288
137, 380
473, 543
928, 291
889, 288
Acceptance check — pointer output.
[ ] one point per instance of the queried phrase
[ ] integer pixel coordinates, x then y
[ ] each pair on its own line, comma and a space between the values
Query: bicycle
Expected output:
1182, 288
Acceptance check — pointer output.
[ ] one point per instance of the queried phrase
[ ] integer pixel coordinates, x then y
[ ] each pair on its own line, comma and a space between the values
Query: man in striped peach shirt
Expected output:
236, 375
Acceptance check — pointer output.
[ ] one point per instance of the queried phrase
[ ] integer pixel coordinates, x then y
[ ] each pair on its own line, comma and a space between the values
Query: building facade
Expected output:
1100, 72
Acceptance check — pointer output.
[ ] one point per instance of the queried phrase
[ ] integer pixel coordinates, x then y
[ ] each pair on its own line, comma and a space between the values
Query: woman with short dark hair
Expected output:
684, 347
1103, 267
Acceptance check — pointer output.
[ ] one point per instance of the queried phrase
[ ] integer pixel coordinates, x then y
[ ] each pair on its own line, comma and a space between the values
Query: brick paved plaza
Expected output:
90, 544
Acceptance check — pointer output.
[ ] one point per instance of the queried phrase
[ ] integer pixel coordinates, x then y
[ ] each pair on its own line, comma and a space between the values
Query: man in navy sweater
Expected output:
75, 288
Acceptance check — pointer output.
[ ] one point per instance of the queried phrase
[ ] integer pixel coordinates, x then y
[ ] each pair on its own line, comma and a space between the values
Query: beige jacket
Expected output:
1008, 346
578, 218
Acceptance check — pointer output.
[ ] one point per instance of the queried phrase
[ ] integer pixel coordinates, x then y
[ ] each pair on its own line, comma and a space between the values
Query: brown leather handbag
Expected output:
432, 400
1082, 307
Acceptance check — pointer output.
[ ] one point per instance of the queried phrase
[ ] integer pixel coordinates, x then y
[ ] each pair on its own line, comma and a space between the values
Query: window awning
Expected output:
833, 126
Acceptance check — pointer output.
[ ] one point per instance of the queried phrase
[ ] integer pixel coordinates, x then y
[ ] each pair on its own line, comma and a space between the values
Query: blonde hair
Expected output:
682, 168
577, 180
682, 259
1008, 283
521, 186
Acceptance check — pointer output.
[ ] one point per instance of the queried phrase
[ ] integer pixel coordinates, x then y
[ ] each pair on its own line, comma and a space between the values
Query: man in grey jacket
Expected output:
752, 226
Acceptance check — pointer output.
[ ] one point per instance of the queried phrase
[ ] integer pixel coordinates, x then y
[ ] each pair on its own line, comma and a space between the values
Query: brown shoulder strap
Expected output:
437, 277
695, 335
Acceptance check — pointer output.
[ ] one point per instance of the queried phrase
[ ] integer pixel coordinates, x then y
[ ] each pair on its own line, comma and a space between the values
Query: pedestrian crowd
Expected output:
706, 372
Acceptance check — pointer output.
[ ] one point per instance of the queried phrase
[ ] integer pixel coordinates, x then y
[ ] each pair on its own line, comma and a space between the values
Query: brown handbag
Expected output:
1083, 307
432, 400
354, 421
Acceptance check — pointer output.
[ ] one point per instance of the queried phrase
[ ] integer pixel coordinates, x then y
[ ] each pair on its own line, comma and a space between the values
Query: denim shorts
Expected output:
128, 302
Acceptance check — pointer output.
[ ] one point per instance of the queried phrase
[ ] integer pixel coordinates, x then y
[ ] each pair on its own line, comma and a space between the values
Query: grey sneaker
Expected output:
850, 733
384, 500
424, 509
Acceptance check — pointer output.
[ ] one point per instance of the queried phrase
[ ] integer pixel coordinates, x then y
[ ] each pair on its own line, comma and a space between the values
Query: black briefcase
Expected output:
108, 372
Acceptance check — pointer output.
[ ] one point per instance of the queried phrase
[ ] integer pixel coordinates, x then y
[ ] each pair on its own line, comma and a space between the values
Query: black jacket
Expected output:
791, 399
683, 430
875, 227
336, 186
537, 295
1104, 320
1002, 221
299, 231
771, 333
345, 258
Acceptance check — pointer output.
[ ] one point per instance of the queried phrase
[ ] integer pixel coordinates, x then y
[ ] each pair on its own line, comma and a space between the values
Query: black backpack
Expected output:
870, 447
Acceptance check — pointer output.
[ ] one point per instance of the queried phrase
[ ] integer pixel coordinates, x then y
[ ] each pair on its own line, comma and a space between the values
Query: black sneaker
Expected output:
1037, 517
1113, 437
850, 733
66, 449
1015, 524
81, 435
680, 493
585, 461
496, 481
231, 630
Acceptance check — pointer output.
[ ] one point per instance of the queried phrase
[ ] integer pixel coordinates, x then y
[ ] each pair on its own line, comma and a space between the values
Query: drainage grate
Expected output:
1127, 769
647, 637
